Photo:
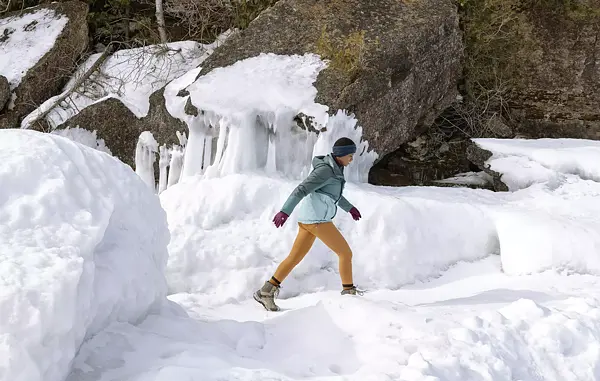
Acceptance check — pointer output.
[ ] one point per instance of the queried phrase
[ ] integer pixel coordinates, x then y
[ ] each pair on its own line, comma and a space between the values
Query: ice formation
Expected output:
246, 118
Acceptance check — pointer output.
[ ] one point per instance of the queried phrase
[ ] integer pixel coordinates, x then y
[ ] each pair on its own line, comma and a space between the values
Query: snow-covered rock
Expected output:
524, 162
244, 118
83, 244
129, 87
39, 47
129, 75
223, 239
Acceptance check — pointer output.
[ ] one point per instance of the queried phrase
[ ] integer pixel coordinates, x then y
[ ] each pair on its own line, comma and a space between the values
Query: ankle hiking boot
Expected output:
266, 296
352, 291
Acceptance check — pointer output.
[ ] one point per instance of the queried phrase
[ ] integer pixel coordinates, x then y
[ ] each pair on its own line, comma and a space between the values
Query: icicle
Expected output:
145, 157
175, 165
271, 155
163, 163
207, 152
181, 136
192, 163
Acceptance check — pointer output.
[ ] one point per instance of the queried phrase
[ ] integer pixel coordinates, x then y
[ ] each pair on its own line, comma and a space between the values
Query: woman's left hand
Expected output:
355, 214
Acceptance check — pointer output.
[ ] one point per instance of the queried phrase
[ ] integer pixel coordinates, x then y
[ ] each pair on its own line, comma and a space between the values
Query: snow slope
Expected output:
30, 37
82, 244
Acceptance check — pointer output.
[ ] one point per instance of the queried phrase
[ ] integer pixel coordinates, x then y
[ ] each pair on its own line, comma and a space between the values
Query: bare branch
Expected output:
77, 83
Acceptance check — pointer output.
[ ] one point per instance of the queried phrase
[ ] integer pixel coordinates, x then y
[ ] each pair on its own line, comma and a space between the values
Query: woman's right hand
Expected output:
280, 219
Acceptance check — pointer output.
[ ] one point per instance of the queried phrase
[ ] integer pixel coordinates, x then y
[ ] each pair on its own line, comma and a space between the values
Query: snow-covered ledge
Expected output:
241, 118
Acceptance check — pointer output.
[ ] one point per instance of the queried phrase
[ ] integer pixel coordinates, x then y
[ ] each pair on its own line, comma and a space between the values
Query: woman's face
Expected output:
345, 160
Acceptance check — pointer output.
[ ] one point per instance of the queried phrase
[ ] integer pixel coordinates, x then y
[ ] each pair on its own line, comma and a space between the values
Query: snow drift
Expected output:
82, 244
223, 240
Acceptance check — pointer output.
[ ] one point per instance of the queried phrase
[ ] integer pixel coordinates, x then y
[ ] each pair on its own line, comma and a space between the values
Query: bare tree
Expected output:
160, 19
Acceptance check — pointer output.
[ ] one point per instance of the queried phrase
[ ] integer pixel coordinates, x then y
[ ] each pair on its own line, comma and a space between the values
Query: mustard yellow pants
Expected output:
330, 236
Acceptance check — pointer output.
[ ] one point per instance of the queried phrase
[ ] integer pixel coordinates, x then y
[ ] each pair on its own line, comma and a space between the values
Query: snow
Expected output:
129, 75
480, 179
83, 136
525, 162
401, 222
82, 245
30, 37
462, 284
247, 111
473, 323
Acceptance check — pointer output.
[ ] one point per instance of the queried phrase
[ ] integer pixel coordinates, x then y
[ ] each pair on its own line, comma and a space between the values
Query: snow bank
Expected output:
223, 240
224, 243
130, 75
556, 224
26, 40
525, 162
82, 244
251, 111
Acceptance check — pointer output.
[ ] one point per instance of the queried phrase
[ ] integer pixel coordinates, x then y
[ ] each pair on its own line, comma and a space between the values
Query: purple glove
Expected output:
280, 219
355, 214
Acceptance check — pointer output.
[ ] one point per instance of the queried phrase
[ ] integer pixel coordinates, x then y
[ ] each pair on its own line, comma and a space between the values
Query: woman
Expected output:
322, 193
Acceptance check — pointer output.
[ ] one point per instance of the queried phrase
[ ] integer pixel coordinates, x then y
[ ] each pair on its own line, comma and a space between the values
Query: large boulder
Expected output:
394, 64
40, 79
558, 94
4, 91
120, 128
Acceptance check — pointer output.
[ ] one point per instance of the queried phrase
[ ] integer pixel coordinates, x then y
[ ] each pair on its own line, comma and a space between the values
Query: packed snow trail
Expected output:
472, 323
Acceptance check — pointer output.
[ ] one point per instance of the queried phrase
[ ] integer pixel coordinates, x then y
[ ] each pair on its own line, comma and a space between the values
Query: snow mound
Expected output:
521, 341
262, 116
223, 240
82, 244
130, 75
525, 162
26, 39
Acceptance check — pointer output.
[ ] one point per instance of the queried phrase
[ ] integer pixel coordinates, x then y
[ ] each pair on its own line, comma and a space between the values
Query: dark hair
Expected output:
342, 142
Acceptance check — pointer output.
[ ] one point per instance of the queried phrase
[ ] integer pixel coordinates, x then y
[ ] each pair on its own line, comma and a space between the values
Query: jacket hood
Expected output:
327, 160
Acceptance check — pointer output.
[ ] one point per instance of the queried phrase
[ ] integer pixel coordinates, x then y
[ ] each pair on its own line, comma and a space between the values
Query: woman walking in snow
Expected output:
320, 193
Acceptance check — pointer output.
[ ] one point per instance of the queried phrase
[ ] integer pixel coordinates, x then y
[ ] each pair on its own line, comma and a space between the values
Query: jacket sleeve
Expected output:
314, 181
345, 204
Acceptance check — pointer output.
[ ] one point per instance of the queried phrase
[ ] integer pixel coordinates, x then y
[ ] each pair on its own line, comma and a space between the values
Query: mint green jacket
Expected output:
320, 193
